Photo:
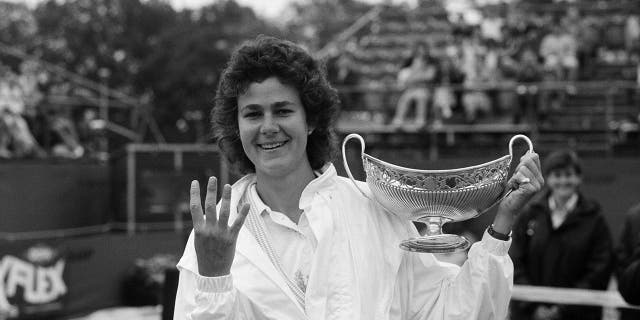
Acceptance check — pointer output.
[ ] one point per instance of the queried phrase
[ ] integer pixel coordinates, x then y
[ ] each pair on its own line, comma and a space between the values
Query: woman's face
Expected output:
273, 127
564, 182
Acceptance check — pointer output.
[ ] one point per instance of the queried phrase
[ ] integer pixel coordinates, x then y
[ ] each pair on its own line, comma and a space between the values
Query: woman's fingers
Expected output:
223, 219
210, 211
532, 161
527, 178
527, 169
195, 205
242, 215
210, 201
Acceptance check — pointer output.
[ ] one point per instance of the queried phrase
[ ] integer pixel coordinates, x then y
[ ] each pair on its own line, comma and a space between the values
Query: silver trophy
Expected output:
435, 197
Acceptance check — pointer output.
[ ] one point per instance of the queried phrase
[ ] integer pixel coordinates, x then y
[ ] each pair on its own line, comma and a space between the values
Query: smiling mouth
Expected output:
272, 146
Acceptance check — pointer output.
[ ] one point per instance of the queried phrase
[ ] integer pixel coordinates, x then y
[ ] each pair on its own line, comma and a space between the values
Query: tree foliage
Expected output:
316, 22
147, 48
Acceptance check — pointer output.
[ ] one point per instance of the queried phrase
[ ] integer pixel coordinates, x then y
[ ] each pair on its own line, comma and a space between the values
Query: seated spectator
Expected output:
628, 264
504, 71
561, 240
443, 96
474, 98
415, 77
528, 71
492, 25
559, 51
17, 140
587, 35
632, 33
571, 20
68, 143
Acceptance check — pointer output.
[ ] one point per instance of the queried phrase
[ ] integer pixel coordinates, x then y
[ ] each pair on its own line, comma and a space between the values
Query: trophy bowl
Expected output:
435, 197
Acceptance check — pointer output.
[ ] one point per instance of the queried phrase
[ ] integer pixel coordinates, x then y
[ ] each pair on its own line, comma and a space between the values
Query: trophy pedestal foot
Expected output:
440, 243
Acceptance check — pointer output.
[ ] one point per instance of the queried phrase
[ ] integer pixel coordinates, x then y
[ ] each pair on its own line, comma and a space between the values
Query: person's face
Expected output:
273, 127
563, 182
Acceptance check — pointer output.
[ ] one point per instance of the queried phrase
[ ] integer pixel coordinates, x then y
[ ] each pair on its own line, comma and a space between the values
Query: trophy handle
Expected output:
346, 164
508, 192
516, 137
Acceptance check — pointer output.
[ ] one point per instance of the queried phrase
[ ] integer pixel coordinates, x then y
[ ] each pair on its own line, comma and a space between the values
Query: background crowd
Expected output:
487, 62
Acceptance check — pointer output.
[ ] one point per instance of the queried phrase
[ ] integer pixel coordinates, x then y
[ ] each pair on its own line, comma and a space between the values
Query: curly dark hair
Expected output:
262, 58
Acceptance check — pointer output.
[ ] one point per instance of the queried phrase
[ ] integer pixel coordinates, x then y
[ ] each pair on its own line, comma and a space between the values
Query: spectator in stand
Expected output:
628, 264
561, 240
18, 140
416, 78
571, 20
68, 143
443, 96
502, 68
632, 33
474, 98
492, 24
559, 51
529, 71
588, 37
30, 78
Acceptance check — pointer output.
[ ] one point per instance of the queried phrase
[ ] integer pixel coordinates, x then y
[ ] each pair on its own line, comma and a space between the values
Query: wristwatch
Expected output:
498, 235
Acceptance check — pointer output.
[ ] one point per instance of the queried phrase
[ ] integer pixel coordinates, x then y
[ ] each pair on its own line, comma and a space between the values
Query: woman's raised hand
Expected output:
527, 180
214, 238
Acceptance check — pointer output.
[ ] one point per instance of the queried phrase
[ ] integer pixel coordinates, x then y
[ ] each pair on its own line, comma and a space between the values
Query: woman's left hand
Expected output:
526, 181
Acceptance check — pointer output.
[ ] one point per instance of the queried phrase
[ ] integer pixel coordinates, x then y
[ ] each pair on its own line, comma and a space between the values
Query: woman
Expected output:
562, 240
312, 246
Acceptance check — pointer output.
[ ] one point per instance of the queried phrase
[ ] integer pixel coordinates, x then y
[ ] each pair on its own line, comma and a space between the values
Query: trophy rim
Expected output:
489, 183
436, 171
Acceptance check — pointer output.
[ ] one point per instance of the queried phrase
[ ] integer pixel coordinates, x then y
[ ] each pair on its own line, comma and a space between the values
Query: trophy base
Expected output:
440, 243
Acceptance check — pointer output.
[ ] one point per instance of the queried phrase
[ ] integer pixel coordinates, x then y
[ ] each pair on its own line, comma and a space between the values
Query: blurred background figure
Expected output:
628, 263
67, 142
528, 72
476, 68
561, 240
632, 33
16, 139
559, 50
415, 78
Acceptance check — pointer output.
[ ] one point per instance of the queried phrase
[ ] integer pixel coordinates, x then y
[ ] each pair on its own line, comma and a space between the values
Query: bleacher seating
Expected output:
606, 101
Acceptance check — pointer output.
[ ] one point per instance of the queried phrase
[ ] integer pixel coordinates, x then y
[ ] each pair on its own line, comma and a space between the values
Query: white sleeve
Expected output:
480, 289
200, 297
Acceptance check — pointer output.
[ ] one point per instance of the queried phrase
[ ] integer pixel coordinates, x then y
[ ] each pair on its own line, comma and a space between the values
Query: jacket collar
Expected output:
320, 184
583, 208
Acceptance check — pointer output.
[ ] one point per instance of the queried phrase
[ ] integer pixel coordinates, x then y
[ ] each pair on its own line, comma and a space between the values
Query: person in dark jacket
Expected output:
561, 240
628, 264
